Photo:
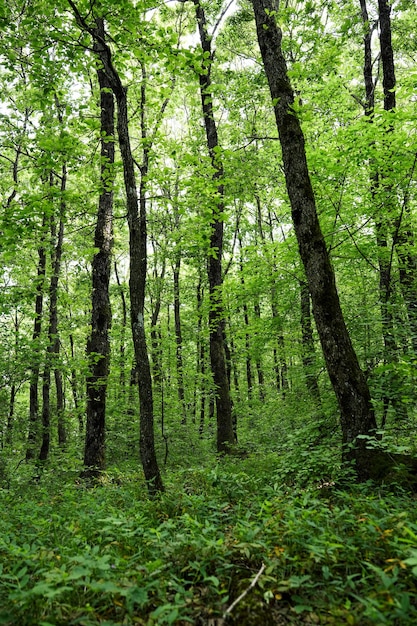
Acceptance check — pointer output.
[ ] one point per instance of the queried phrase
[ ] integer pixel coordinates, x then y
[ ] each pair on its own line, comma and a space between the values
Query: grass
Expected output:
108, 555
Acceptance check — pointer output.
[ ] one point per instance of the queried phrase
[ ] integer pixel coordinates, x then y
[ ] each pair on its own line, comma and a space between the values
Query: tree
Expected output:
137, 248
356, 412
98, 346
225, 432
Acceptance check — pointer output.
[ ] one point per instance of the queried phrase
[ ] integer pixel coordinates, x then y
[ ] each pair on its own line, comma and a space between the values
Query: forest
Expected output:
208, 301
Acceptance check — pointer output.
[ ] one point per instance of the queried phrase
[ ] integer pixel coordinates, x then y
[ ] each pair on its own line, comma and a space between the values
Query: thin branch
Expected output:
222, 14
242, 595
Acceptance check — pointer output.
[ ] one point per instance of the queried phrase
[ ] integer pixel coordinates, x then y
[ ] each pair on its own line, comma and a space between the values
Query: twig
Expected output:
242, 595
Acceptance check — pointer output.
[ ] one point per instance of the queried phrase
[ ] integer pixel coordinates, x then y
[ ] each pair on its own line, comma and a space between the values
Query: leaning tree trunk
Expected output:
136, 219
348, 380
225, 433
98, 345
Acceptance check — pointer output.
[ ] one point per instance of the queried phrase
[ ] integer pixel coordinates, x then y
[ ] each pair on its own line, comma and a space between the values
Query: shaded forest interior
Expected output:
208, 312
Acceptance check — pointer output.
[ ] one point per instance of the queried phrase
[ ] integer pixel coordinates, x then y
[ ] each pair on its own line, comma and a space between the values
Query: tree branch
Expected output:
242, 595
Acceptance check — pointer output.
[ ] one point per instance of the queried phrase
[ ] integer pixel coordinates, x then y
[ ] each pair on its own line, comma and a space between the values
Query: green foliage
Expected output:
107, 555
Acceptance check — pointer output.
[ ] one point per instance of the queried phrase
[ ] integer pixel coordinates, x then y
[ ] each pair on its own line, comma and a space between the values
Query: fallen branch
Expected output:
242, 595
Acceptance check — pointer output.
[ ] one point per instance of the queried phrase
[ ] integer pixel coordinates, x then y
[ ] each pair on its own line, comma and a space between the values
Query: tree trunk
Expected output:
307, 347
225, 434
201, 385
384, 203
280, 363
37, 328
259, 370
10, 415
98, 345
74, 387
137, 246
404, 239
349, 383
52, 352
122, 348
156, 347
178, 339
249, 382
60, 399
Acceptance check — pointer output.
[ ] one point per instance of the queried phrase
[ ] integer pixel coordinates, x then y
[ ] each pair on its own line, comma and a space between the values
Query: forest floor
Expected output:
254, 540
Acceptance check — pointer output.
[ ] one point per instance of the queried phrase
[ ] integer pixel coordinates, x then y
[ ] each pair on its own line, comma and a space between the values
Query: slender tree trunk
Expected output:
46, 374
307, 346
259, 370
98, 345
349, 383
249, 381
156, 301
122, 348
13, 386
52, 352
403, 236
383, 200
136, 218
74, 387
10, 415
37, 328
200, 359
280, 362
60, 398
225, 433
202, 356
178, 339
408, 275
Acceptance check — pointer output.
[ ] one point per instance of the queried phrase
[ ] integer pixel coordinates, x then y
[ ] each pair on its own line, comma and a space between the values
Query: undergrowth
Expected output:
108, 555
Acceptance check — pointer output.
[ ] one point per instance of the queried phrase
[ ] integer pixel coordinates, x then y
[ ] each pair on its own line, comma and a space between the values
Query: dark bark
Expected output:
52, 352
383, 200
349, 383
387, 55
225, 434
98, 345
60, 398
200, 359
367, 65
404, 239
37, 328
136, 218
